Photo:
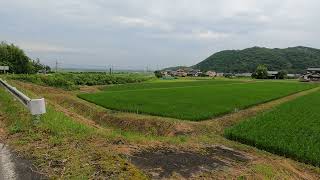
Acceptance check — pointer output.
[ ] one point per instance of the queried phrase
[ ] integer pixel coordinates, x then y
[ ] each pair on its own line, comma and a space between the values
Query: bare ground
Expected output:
163, 162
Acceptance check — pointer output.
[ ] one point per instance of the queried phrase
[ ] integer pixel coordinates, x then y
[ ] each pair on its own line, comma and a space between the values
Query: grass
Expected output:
196, 100
291, 129
60, 147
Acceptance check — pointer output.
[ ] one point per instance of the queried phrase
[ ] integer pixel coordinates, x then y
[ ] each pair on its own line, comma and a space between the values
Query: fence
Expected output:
36, 106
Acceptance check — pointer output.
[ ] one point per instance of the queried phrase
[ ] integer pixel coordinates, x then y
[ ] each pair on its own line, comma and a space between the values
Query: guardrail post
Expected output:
37, 107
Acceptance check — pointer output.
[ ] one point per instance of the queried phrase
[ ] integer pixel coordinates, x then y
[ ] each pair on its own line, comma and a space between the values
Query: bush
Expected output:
158, 74
71, 81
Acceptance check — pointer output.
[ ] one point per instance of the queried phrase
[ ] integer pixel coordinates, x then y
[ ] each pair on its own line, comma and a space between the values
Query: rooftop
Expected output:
313, 69
273, 72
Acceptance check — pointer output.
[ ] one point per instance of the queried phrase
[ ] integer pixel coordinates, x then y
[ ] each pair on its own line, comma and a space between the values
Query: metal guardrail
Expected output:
36, 106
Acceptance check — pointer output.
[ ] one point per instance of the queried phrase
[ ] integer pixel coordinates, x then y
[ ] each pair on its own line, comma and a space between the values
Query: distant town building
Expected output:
273, 74
293, 76
180, 73
312, 74
194, 73
219, 74
243, 74
211, 73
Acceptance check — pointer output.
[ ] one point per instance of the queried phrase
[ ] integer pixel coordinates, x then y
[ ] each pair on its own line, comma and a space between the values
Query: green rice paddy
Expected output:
191, 100
291, 129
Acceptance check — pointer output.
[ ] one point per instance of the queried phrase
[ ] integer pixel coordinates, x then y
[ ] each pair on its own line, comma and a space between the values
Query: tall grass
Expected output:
53, 122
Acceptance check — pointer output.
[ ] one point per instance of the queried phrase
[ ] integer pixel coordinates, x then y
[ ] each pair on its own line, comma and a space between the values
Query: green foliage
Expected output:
292, 129
17, 60
71, 81
158, 74
261, 72
293, 60
282, 74
177, 67
198, 101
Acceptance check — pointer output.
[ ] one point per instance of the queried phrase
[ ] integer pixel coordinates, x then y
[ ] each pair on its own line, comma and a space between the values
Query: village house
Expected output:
219, 74
273, 74
189, 72
211, 73
180, 73
194, 73
243, 74
313, 74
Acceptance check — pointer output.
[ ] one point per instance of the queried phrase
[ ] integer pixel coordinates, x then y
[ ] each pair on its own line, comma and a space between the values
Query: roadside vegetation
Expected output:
291, 130
202, 101
60, 147
72, 81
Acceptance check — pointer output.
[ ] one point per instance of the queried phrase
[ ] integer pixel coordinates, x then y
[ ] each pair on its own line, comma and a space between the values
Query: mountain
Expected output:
174, 68
293, 59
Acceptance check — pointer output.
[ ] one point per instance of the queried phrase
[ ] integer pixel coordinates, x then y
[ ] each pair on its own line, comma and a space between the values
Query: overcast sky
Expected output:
134, 34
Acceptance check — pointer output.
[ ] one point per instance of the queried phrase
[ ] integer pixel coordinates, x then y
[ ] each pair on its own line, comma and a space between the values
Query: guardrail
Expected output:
36, 106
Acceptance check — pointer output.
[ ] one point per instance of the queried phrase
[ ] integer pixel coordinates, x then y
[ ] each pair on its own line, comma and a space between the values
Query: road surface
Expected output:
14, 168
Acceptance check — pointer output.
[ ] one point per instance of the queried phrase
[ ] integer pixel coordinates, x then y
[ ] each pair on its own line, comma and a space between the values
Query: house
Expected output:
293, 76
180, 73
313, 74
211, 73
219, 74
273, 74
243, 74
194, 73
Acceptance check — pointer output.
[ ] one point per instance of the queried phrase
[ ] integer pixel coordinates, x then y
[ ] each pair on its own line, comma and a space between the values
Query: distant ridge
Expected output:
292, 59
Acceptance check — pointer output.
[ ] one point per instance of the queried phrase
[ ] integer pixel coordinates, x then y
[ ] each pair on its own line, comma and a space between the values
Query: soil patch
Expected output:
164, 162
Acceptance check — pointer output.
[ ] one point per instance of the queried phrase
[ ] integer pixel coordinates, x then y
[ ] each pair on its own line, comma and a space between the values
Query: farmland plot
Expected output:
168, 84
292, 129
196, 102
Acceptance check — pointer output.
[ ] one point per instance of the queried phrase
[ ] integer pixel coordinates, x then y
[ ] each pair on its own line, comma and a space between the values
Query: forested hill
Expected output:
293, 60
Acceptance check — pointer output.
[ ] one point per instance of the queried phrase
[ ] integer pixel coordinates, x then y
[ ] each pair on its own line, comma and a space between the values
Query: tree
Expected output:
282, 74
261, 72
158, 74
17, 60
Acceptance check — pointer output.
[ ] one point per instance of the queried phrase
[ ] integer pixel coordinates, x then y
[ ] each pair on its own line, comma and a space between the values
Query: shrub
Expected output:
71, 81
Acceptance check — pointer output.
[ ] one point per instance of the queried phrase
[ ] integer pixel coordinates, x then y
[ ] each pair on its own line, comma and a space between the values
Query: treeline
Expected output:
292, 60
72, 81
18, 61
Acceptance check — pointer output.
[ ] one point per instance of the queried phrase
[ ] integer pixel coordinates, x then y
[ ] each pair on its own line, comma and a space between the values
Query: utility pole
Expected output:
56, 66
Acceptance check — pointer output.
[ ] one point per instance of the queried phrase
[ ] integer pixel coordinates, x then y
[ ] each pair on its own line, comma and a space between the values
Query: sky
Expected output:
140, 34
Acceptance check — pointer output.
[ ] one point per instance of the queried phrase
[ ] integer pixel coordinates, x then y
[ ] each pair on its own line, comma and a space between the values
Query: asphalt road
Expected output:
15, 168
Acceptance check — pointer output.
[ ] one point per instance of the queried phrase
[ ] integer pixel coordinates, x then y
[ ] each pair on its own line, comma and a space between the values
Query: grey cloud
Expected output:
136, 33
